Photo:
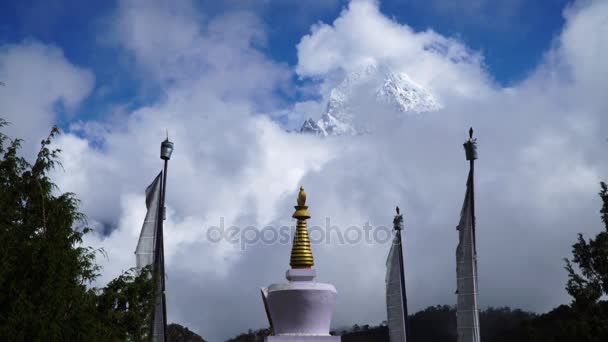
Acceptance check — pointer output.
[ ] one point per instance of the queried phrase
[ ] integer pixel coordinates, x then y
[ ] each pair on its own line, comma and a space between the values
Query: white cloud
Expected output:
583, 45
362, 35
540, 159
230, 162
174, 43
540, 143
38, 79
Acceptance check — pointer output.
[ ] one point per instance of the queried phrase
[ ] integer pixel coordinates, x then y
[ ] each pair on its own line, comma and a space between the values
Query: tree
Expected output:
503, 324
591, 258
43, 269
46, 273
561, 324
588, 282
125, 304
178, 333
586, 318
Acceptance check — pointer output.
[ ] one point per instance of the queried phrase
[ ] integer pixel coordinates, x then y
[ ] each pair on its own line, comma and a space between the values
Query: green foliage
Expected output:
366, 333
433, 324
588, 282
251, 336
45, 272
504, 324
586, 319
591, 258
178, 333
125, 304
566, 323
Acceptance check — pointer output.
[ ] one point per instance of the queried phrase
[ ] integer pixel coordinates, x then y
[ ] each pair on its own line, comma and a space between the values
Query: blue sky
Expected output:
511, 35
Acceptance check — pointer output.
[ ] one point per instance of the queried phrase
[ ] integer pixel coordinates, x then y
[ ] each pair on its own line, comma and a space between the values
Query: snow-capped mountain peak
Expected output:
398, 89
395, 89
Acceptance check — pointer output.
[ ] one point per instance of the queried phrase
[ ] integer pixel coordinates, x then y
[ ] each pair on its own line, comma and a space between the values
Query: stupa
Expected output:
301, 309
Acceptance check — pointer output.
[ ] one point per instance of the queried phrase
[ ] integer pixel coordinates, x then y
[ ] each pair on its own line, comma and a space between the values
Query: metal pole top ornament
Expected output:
470, 146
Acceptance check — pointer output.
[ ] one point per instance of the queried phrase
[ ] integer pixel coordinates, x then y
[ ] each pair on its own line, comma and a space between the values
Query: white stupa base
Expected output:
301, 309
292, 338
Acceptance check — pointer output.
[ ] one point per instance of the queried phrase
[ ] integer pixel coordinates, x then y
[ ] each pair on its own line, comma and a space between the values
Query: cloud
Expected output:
582, 45
41, 86
362, 35
170, 43
539, 167
540, 145
231, 162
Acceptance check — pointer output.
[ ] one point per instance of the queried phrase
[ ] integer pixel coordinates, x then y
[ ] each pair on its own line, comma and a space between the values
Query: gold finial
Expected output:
302, 197
301, 209
301, 254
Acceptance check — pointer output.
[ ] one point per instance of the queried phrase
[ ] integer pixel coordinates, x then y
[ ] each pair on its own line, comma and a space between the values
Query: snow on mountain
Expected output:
398, 89
382, 85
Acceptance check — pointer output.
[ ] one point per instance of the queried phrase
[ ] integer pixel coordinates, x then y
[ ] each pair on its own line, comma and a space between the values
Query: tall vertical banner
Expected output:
148, 253
467, 310
144, 253
396, 299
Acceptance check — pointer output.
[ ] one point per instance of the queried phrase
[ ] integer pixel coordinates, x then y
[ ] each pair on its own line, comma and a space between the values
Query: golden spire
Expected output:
301, 254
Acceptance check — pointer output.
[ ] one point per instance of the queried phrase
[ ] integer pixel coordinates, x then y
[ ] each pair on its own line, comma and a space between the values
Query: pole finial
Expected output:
398, 220
470, 146
166, 148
